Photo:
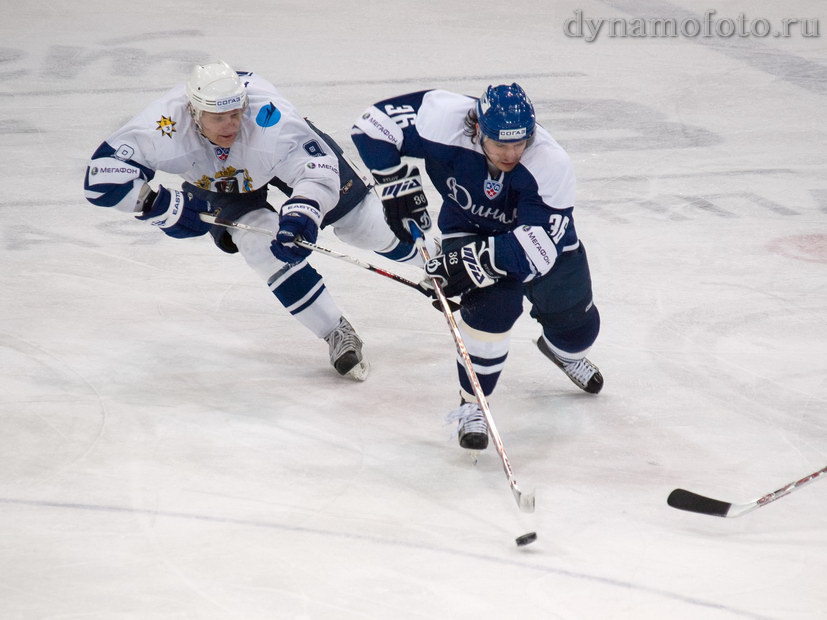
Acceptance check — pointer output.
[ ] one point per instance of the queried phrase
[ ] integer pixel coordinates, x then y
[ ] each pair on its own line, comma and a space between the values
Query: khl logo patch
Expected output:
492, 188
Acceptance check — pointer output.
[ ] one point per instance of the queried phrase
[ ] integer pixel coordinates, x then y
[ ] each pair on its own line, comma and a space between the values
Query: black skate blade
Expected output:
346, 362
474, 441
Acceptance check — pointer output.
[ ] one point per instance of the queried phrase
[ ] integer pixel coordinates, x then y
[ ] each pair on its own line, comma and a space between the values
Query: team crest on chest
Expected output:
229, 180
492, 188
166, 126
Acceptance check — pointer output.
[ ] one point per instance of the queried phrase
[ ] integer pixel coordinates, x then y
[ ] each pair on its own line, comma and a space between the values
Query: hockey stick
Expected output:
524, 500
218, 221
687, 500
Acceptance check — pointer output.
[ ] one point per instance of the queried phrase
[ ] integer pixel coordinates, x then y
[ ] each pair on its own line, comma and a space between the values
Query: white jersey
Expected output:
273, 141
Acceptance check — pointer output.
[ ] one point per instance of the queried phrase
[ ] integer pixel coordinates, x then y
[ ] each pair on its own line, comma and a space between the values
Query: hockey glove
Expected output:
402, 199
469, 267
175, 212
299, 219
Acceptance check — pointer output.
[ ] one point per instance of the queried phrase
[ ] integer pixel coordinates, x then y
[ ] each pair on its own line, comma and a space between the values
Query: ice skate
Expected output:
472, 429
582, 372
346, 351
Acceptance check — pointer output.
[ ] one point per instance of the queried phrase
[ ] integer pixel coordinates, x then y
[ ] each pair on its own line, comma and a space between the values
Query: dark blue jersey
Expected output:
526, 211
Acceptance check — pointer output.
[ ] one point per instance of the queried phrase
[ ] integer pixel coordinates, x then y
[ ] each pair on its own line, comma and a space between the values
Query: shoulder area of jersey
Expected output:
543, 141
167, 117
268, 109
439, 97
544, 153
441, 117
266, 106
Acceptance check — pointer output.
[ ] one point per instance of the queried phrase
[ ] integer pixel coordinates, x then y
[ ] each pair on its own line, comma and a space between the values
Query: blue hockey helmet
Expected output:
505, 113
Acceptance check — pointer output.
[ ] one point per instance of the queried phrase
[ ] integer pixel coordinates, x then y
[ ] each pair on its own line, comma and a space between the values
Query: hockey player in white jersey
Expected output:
506, 221
229, 135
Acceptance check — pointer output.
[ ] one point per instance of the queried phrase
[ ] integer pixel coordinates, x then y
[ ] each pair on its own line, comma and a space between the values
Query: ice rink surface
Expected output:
175, 446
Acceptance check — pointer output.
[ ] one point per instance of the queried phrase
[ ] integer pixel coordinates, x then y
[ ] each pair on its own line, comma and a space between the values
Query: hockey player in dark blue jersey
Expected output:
507, 224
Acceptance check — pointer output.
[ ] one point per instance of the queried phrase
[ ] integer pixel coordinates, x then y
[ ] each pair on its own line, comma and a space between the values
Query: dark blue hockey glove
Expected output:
299, 219
176, 213
469, 267
403, 198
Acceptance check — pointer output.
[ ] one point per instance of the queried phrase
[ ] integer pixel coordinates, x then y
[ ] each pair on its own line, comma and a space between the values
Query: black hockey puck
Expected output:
526, 539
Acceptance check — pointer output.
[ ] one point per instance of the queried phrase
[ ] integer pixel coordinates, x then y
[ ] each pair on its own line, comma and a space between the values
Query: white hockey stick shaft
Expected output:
218, 221
693, 502
525, 501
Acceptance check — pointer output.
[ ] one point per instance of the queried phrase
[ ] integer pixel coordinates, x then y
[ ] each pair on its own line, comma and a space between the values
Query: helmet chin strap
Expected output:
481, 137
196, 116
492, 169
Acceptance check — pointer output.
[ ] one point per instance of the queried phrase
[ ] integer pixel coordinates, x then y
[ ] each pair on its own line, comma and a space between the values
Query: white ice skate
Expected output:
583, 373
472, 429
346, 351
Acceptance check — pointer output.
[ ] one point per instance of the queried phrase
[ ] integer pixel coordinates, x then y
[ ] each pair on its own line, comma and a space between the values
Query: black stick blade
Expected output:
454, 306
687, 500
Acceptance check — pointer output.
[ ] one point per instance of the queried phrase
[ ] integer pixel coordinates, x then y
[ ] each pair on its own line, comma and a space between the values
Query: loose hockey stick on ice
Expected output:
524, 500
218, 221
687, 500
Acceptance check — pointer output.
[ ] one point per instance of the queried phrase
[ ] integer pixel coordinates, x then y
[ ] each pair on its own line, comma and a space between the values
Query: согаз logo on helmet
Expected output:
512, 134
236, 101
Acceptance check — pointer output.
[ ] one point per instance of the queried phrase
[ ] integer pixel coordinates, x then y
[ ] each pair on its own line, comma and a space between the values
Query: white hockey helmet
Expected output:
215, 87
